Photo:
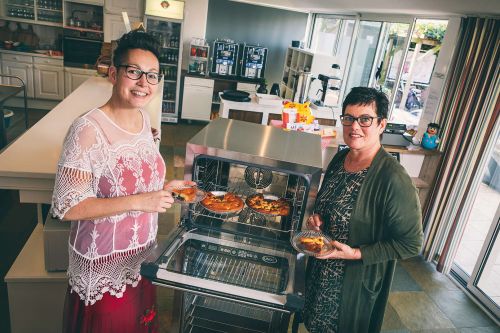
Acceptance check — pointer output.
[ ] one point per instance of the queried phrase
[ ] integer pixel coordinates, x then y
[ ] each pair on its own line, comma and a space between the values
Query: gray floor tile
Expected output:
438, 330
403, 281
426, 276
460, 309
491, 329
392, 322
418, 312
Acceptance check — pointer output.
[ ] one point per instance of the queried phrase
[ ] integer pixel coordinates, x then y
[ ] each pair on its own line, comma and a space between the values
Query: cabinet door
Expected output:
73, 81
24, 71
197, 102
132, 7
114, 27
49, 82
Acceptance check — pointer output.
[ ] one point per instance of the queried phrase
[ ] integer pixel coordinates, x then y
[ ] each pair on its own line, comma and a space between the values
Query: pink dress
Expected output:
101, 160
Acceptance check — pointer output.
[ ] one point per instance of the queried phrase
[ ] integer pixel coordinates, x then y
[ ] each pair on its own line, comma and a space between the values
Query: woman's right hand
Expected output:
314, 222
154, 202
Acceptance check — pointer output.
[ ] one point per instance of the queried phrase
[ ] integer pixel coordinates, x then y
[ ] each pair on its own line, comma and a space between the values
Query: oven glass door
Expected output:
230, 267
80, 52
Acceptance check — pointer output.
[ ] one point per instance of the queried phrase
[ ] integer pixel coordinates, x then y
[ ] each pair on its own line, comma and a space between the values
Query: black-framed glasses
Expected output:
135, 73
363, 121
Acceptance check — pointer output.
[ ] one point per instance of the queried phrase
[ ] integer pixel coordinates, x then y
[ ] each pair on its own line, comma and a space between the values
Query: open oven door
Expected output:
230, 267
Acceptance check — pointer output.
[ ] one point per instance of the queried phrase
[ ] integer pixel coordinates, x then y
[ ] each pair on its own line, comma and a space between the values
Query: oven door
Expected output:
231, 267
79, 52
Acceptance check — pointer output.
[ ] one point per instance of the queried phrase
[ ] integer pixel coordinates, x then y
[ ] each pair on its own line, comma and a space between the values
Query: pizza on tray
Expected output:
222, 202
312, 244
268, 204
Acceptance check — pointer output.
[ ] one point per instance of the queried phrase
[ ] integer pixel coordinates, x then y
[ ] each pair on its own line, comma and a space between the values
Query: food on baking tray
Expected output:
186, 194
312, 244
268, 204
222, 202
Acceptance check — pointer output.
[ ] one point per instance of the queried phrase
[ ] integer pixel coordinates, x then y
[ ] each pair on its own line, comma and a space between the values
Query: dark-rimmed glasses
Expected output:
135, 73
363, 121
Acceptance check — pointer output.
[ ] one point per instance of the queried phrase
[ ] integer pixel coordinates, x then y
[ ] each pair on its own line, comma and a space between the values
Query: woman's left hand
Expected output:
177, 183
342, 251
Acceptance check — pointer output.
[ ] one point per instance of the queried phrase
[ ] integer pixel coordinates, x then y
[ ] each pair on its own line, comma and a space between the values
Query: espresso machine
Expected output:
225, 58
253, 62
330, 87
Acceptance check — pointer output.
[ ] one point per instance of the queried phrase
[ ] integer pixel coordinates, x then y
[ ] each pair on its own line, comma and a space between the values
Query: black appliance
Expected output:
81, 48
238, 272
236, 96
225, 58
394, 135
253, 62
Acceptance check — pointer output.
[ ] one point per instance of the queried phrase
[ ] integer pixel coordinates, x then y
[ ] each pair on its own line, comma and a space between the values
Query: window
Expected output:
382, 55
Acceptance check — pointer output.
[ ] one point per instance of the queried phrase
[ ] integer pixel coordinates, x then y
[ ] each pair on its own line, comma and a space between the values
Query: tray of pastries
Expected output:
221, 202
188, 194
312, 243
268, 204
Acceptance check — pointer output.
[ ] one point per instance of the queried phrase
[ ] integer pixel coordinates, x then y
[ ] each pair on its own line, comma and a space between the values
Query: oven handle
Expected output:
201, 293
83, 39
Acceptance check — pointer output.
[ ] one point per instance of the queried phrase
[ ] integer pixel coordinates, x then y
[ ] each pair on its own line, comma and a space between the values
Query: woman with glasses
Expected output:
110, 184
368, 205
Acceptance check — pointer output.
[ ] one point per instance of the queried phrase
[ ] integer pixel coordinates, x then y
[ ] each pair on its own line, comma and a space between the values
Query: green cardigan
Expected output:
386, 224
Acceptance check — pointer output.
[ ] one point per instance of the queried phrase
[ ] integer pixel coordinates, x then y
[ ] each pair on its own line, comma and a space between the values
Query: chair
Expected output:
22, 87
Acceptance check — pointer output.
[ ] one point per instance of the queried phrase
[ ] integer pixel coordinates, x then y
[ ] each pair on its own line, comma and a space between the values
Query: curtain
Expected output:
469, 110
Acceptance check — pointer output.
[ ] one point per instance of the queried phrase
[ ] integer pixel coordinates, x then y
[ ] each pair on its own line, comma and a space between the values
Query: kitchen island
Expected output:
29, 165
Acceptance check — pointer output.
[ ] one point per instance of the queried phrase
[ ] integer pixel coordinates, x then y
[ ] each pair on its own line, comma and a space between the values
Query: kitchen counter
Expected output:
33, 54
29, 164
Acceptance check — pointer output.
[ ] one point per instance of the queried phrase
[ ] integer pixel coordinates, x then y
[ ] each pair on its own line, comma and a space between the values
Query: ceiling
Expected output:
414, 7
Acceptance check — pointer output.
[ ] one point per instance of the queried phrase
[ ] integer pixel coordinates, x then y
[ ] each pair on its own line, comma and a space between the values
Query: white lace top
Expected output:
101, 160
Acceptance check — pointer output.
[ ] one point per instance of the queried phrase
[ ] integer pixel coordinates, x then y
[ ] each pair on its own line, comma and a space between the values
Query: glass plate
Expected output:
225, 212
301, 246
270, 197
199, 195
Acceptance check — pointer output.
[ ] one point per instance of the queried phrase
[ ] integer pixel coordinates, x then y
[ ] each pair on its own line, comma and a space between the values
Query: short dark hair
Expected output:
135, 39
366, 96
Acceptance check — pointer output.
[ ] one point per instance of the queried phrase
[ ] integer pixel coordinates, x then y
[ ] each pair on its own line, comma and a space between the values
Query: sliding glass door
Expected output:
477, 261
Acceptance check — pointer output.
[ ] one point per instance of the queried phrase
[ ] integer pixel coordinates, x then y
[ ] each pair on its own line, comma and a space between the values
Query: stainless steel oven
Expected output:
239, 273
81, 48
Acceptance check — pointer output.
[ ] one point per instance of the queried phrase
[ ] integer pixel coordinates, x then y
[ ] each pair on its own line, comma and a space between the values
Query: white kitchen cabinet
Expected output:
49, 82
197, 98
74, 77
134, 8
114, 27
23, 70
90, 2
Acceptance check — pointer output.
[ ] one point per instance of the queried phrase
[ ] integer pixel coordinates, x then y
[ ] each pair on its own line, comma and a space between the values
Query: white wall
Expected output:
195, 25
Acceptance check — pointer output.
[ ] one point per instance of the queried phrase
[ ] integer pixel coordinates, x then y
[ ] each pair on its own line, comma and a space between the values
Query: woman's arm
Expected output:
92, 208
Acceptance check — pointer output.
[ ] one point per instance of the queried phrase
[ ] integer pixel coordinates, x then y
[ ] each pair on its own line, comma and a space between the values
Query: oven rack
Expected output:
248, 216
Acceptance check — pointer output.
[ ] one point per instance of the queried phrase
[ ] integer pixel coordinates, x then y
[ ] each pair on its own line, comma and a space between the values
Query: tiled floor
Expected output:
421, 300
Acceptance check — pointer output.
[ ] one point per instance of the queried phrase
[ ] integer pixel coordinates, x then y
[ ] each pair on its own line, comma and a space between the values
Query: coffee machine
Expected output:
330, 87
225, 58
253, 62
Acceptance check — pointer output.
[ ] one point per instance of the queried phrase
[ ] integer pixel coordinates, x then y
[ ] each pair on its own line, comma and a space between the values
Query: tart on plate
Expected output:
222, 202
268, 204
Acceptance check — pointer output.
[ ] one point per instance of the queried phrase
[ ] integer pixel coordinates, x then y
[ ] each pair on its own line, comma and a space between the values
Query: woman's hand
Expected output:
154, 202
314, 222
177, 183
343, 251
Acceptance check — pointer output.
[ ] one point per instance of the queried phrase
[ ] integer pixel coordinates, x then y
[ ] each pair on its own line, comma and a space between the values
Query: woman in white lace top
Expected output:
110, 184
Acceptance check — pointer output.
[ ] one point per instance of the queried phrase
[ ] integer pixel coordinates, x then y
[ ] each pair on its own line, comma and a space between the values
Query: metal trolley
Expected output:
238, 272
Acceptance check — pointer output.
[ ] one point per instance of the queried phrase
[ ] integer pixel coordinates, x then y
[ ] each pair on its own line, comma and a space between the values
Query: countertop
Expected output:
33, 54
29, 164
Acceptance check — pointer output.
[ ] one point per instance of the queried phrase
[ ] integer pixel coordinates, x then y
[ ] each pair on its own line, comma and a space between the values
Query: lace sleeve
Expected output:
75, 178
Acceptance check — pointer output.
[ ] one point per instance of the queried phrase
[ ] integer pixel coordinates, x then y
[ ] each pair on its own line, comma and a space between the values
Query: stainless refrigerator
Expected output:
169, 33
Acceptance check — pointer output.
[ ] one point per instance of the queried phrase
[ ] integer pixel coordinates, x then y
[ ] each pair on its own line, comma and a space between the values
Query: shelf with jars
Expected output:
198, 57
46, 12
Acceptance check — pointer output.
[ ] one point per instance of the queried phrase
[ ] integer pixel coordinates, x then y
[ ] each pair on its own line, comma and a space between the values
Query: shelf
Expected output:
168, 64
83, 29
215, 102
170, 47
169, 100
198, 58
20, 6
170, 81
50, 10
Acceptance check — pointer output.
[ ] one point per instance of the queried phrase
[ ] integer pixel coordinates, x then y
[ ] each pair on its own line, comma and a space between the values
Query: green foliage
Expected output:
432, 31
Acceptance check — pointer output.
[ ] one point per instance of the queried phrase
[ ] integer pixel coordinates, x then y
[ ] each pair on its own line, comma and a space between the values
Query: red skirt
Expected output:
134, 312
